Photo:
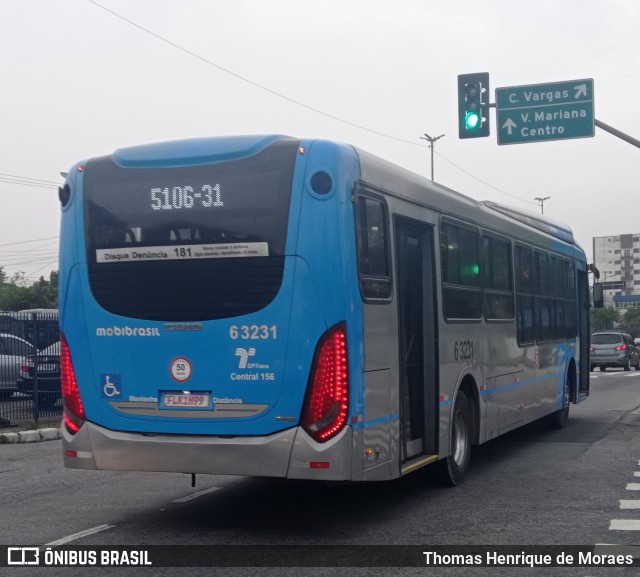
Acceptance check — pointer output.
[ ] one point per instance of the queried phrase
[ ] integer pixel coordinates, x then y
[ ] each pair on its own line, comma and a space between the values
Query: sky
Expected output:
81, 78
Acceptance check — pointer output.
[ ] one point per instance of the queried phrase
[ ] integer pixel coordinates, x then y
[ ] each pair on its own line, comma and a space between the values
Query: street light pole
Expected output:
432, 143
541, 201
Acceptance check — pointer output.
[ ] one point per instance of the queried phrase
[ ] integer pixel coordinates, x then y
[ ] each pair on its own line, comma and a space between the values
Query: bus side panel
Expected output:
380, 435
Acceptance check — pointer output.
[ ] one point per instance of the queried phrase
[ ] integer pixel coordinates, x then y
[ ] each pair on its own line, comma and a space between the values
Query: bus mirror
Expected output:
64, 194
598, 295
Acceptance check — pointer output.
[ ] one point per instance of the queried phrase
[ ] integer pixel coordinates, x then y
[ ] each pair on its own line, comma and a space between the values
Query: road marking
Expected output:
633, 486
629, 503
196, 495
75, 536
613, 374
625, 525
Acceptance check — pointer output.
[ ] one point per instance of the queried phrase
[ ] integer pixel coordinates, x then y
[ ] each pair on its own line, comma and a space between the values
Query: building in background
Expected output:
618, 260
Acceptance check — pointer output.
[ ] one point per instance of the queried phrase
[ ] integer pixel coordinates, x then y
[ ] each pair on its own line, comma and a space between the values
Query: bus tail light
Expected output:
326, 405
74, 415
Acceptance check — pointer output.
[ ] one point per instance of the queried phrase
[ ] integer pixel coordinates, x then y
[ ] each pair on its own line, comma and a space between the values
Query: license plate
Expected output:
186, 400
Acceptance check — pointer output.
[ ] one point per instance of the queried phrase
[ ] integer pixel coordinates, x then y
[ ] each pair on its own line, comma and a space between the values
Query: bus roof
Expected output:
418, 189
539, 222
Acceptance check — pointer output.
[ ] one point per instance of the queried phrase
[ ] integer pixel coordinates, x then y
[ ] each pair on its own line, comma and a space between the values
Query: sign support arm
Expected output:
617, 133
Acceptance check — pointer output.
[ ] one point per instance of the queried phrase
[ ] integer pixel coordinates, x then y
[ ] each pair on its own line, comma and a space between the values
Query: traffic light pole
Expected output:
617, 133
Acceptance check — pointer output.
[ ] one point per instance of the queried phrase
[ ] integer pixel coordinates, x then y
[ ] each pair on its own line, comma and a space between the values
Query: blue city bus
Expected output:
268, 306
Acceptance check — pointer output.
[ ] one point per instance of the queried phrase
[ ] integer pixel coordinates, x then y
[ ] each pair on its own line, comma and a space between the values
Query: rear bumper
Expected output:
609, 360
291, 453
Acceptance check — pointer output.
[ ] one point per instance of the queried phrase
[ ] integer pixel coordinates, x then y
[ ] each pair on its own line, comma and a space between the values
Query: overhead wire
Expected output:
42, 183
289, 99
27, 181
36, 255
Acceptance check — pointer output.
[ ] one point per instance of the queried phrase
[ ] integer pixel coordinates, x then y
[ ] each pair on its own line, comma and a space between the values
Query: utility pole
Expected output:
541, 201
432, 143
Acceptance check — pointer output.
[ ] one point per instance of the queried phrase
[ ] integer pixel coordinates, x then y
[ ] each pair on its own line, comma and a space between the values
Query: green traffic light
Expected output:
471, 120
473, 105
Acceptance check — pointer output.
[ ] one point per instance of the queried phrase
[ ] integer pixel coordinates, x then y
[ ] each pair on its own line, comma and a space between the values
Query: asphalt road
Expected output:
534, 486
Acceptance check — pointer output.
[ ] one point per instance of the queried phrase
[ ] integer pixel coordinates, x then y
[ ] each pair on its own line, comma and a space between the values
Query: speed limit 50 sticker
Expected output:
180, 369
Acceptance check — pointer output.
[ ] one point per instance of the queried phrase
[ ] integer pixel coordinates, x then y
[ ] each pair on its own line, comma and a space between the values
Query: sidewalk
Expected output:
47, 430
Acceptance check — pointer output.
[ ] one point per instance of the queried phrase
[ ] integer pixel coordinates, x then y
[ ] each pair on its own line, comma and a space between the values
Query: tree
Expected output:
631, 322
17, 294
604, 319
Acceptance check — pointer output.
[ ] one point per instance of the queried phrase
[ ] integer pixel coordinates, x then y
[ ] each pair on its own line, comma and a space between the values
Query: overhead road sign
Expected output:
539, 112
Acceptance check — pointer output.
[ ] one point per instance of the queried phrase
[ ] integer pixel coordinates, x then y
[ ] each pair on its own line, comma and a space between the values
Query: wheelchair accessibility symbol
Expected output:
111, 386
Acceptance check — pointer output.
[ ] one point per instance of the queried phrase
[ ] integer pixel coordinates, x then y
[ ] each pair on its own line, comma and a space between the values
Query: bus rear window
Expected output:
189, 242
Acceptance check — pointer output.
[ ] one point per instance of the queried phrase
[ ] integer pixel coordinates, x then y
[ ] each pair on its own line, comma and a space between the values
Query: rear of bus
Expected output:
210, 310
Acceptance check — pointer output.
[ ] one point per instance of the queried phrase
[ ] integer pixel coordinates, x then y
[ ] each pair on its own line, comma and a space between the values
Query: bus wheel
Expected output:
559, 419
454, 467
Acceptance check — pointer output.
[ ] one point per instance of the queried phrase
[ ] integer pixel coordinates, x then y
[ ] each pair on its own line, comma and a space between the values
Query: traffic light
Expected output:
473, 105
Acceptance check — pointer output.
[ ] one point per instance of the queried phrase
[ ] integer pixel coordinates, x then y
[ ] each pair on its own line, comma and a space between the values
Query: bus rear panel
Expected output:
201, 332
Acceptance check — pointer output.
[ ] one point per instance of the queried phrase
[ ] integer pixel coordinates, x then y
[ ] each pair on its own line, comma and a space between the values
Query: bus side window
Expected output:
524, 294
497, 277
373, 249
460, 261
543, 306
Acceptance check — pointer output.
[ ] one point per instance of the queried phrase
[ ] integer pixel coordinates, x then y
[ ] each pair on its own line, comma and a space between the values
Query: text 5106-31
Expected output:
179, 197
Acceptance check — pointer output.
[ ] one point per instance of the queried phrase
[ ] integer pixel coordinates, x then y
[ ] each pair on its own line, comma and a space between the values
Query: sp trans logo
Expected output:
244, 355
252, 371
80, 557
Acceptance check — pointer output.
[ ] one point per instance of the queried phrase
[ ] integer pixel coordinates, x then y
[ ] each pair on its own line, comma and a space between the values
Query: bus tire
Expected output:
559, 419
454, 466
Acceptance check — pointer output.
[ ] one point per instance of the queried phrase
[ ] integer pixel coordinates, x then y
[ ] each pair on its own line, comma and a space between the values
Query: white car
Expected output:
12, 350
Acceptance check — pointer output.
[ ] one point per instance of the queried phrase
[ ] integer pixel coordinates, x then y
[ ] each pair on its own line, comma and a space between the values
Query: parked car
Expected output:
48, 368
12, 351
613, 349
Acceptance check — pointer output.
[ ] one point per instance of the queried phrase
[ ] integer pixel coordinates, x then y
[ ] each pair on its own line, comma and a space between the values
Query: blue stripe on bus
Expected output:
510, 387
378, 421
448, 402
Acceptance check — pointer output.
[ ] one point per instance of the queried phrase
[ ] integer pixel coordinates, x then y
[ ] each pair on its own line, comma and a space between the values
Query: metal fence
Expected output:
29, 366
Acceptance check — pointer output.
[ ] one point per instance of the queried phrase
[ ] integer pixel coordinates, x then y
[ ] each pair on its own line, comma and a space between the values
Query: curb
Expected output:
34, 436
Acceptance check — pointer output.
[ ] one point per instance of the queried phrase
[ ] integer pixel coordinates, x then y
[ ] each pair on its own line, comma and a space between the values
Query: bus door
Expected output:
417, 336
584, 332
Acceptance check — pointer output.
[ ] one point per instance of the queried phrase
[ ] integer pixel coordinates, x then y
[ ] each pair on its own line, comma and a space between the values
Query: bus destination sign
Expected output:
539, 112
